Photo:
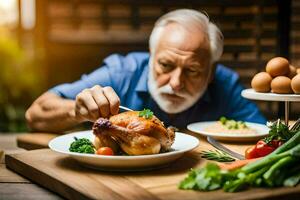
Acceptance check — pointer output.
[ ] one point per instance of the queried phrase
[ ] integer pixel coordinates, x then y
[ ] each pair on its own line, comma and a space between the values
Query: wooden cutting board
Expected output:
31, 141
66, 177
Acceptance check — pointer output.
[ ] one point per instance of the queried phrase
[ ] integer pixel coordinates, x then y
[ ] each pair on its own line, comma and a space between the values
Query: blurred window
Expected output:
9, 13
28, 14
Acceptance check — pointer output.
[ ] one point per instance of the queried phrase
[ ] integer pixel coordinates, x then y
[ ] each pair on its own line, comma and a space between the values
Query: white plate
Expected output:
183, 143
199, 127
251, 94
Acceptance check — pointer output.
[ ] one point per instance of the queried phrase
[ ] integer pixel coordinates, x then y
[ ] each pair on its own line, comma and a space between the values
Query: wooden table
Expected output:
13, 186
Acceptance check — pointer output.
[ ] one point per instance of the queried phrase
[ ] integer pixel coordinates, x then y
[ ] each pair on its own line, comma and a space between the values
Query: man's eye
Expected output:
165, 66
192, 72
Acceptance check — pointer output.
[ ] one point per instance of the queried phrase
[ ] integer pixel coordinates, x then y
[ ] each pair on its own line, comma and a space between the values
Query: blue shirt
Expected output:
128, 76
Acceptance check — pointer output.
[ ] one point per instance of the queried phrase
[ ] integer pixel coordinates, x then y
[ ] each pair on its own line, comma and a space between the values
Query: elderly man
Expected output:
178, 81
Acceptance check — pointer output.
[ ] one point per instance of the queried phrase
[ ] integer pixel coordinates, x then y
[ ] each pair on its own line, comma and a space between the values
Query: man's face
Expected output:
179, 68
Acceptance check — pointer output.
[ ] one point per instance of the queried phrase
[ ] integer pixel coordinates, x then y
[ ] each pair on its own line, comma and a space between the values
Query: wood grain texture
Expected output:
170, 192
65, 176
9, 151
33, 141
16, 191
8, 176
1, 156
8, 141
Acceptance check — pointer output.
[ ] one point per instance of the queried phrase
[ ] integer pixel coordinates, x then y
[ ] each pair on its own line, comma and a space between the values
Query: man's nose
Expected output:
176, 81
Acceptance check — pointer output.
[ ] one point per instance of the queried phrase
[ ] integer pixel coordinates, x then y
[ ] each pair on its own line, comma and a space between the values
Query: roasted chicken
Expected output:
134, 134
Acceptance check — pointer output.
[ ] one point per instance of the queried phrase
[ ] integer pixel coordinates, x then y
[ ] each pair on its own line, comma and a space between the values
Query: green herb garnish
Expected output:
232, 124
146, 113
217, 156
82, 145
278, 131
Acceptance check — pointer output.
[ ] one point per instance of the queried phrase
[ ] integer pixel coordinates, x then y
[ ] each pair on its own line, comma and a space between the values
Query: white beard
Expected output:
166, 105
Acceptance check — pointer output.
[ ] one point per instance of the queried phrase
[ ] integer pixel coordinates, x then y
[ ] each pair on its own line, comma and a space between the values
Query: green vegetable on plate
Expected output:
82, 145
232, 124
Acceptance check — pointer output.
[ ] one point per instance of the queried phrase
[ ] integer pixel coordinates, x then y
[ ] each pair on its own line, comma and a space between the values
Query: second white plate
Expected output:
200, 127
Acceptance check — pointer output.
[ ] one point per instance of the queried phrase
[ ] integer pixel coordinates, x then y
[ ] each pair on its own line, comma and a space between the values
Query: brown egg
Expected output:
296, 84
293, 72
281, 85
278, 66
298, 70
261, 82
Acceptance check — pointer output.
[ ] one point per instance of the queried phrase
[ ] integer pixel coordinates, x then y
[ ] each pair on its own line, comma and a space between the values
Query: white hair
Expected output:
187, 18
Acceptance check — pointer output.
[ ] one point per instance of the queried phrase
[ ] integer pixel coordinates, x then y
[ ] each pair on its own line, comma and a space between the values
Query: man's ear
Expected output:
212, 74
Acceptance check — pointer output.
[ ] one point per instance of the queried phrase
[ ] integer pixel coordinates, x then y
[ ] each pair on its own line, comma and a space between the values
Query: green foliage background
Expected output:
21, 80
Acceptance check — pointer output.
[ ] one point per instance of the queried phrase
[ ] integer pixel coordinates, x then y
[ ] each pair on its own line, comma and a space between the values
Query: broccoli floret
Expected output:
82, 145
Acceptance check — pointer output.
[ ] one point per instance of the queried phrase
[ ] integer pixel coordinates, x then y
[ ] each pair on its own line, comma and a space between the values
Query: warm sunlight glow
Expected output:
8, 12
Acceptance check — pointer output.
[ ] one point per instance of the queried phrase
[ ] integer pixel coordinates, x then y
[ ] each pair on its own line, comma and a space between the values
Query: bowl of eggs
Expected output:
280, 77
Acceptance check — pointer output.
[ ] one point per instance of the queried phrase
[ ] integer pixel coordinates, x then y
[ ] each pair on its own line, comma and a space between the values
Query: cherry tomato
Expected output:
251, 153
263, 149
106, 151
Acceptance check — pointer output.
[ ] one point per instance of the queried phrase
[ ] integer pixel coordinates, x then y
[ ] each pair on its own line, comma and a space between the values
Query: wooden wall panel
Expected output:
295, 46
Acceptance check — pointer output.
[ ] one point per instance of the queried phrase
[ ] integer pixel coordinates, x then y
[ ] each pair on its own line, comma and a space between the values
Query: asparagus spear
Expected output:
292, 180
244, 180
275, 170
293, 177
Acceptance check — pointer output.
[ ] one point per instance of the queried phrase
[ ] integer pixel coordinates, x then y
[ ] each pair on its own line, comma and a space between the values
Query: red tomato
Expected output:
251, 153
263, 149
106, 151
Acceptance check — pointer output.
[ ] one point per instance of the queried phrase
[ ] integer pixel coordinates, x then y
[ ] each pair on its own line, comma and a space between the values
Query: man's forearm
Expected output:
52, 114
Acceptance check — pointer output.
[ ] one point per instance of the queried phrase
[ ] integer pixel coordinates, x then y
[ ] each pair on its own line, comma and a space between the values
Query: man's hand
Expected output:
96, 102
52, 113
